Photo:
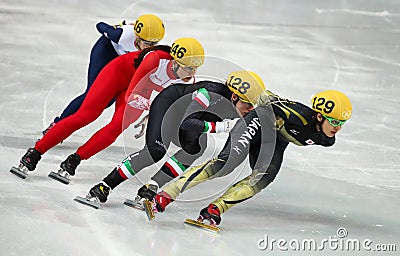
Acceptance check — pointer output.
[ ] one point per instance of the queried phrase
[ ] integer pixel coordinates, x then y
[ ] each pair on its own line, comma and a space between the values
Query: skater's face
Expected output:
327, 127
241, 107
185, 73
143, 44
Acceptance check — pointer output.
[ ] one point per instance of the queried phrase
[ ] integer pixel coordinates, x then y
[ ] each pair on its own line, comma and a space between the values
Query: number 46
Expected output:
178, 50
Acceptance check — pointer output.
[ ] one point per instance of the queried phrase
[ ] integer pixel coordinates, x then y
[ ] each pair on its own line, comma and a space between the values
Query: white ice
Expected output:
298, 47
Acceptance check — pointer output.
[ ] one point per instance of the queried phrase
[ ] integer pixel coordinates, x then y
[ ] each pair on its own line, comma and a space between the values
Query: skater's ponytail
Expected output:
139, 59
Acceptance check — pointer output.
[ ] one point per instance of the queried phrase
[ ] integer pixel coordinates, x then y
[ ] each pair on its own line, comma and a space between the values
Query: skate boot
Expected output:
48, 128
98, 194
67, 168
146, 191
27, 163
211, 214
158, 204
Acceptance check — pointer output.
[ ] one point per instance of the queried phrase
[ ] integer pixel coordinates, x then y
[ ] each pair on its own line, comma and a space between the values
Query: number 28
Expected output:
238, 84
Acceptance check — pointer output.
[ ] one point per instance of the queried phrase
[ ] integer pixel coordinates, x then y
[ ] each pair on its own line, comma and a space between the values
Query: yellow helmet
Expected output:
149, 28
188, 52
333, 104
247, 85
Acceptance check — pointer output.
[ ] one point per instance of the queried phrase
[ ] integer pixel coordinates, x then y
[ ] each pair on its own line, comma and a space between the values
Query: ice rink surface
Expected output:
298, 47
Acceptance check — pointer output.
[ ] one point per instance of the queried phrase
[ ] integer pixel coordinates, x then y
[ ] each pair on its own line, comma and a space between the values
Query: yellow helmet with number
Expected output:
150, 28
247, 85
332, 104
188, 52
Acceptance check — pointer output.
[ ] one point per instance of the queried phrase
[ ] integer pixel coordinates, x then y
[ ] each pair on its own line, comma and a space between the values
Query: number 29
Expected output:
323, 105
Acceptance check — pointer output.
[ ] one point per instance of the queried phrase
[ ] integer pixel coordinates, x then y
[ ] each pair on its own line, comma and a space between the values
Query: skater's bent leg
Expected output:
129, 167
104, 137
134, 163
254, 183
114, 178
237, 193
154, 150
171, 168
93, 105
226, 162
67, 126
243, 190
101, 54
177, 164
72, 107
193, 177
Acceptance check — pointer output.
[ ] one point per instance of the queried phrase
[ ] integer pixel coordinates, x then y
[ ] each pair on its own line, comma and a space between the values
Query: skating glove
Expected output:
143, 124
139, 102
120, 24
265, 98
225, 125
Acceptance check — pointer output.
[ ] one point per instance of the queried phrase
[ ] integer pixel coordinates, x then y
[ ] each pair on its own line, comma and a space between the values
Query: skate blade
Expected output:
148, 208
18, 172
85, 201
134, 204
202, 225
58, 177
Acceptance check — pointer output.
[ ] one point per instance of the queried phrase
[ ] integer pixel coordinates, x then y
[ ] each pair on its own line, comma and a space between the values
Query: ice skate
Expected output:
210, 214
146, 191
98, 194
61, 176
150, 209
136, 203
21, 171
27, 163
67, 169
88, 200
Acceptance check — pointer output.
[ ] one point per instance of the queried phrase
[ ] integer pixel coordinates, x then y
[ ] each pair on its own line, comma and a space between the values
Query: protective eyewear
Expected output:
188, 69
147, 43
246, 101
334, 122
